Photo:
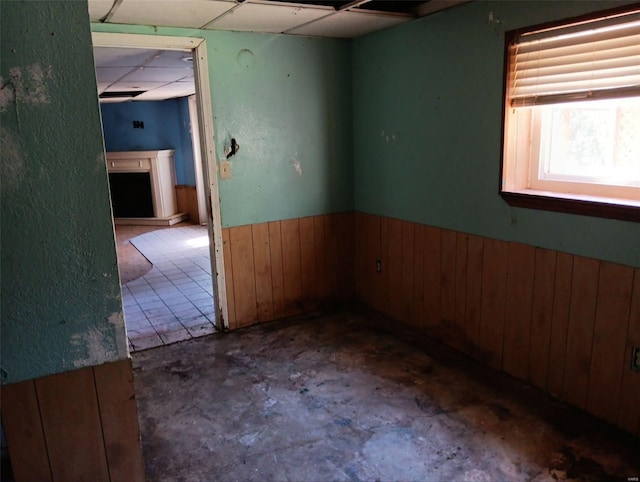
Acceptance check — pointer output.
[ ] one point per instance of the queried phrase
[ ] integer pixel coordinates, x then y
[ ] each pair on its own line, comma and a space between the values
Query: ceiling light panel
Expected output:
171, 13
256, 17
172, 58
349, 24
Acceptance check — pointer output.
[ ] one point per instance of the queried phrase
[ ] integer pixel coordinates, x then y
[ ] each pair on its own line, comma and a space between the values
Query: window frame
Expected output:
581, 204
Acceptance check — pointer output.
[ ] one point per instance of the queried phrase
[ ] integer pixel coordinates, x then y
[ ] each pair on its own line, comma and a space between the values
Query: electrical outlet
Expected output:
378, 266
635, 358
225, 170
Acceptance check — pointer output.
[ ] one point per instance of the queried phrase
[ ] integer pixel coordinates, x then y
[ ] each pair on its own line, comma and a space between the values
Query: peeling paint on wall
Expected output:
99, 344
29, 84
297, 166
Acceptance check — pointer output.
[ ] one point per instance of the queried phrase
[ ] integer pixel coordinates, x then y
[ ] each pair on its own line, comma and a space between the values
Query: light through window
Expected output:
572, 113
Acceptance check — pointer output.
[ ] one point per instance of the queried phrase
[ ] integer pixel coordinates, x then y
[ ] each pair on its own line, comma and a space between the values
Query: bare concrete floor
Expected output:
335, 398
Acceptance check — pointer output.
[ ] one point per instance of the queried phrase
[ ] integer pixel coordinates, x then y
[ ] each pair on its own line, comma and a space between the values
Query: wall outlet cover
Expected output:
225, 170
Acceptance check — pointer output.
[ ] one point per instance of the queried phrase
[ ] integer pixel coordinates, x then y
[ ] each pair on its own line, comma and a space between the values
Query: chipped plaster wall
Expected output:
61, 304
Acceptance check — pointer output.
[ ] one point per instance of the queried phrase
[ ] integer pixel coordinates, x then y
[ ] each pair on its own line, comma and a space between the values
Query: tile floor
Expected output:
172, 302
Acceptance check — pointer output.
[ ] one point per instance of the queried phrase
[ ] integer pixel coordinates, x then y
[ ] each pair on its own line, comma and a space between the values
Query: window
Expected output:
572, 117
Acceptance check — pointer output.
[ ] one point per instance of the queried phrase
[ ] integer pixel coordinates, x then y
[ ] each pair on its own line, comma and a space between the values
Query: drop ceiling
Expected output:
136, 74
322, 18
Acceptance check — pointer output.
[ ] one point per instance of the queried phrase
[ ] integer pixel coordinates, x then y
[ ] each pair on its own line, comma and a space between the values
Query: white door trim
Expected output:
207, 146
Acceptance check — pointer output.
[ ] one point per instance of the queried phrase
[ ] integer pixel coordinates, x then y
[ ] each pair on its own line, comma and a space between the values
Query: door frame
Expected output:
198, 48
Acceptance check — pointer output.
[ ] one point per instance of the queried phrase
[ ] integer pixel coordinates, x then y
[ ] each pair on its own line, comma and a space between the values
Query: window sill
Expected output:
611, 208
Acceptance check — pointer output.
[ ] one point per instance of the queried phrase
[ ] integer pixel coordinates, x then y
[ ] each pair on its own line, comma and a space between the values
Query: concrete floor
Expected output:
335, 398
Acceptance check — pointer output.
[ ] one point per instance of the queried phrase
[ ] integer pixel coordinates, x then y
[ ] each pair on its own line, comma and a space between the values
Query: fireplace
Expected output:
142, 185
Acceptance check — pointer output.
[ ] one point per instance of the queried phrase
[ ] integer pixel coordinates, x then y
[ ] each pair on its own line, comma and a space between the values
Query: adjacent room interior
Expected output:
387, 295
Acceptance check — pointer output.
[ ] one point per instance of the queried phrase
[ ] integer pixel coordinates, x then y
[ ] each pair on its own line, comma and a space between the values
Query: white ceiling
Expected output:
162, 74
351, 19
166, 74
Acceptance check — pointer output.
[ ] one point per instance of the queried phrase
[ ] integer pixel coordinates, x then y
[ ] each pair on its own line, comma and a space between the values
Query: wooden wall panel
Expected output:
25, 436
187, 200
291, 266
244, 284
520, 276
393, 267
432, 246
458, 329
119, 416
277, 276
608, 354
308, 264
78, 452
408, 271
541, 316
448, 251
629, 408
473, 300
80, 425
346, 256
559, 323
228, 267
262, 267
320, 242
493, 301
361, 257
417, 307
377, 285
582, 310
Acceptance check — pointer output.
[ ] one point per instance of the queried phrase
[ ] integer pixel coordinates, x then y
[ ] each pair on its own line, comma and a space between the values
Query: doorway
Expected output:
205, 234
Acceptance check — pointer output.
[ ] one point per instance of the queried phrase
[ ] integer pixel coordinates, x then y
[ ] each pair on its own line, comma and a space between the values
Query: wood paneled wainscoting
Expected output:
284, 268
563, 323
75, 426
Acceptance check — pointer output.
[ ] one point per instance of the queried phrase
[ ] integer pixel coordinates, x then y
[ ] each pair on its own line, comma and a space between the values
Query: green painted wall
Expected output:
287, 102
61, 306
427, 103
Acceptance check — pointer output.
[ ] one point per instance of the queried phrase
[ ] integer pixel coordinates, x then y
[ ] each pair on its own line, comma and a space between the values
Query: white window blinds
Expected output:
591, 60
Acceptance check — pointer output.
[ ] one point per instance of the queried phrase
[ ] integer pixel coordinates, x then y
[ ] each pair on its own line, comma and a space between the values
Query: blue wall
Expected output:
166, 126
427, 116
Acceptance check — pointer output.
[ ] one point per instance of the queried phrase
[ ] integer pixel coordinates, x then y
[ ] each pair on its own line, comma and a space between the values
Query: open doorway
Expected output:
173, 285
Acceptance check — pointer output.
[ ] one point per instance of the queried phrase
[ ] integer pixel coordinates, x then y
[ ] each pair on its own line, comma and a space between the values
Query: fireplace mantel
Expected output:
159, 165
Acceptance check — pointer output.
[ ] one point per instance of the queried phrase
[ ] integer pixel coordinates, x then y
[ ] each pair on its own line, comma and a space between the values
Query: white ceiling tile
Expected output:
127, 86
349, 24
102, 86
99, 8
158, 74
167, 92
111, 74
122, 57
257, 17
172, 58
172, 13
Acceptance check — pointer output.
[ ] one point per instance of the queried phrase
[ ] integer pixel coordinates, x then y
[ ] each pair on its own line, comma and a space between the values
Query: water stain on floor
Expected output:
334, 397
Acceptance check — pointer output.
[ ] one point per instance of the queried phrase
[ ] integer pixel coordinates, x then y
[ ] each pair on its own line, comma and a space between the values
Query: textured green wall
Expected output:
61, 306
427, 102
287, 102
